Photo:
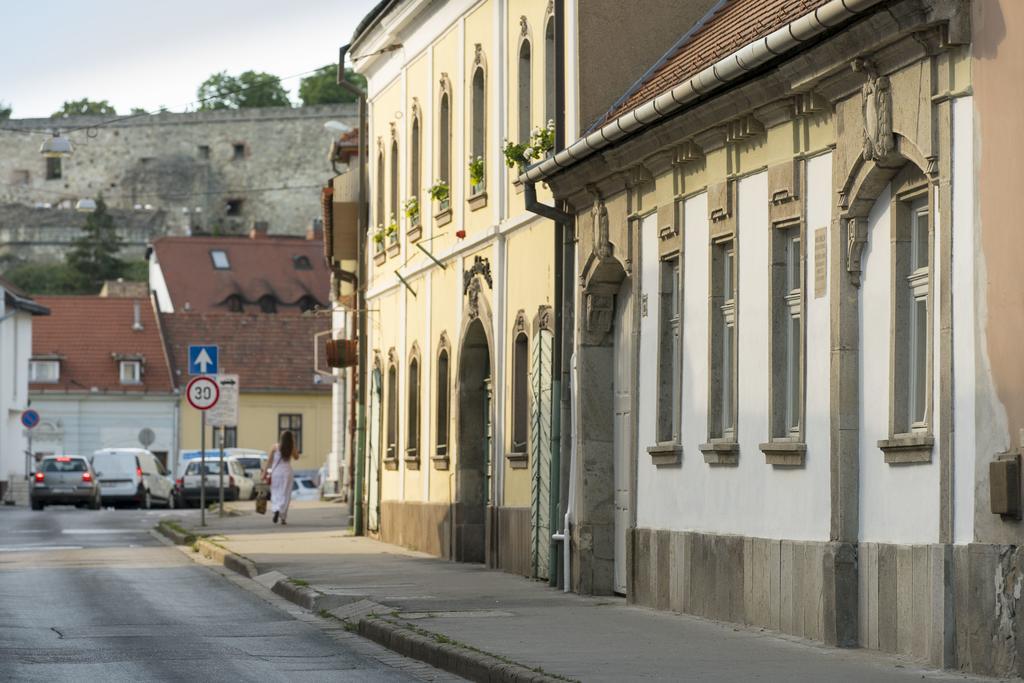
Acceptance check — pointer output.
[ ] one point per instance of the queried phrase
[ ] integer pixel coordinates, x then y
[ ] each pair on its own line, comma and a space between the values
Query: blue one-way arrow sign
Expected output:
202, 359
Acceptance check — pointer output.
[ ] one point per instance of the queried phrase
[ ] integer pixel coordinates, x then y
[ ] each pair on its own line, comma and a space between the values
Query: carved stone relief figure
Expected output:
876, 106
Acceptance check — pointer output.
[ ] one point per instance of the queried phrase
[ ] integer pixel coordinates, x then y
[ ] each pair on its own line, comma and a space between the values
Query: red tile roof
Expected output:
733, 25
258, 267
268, 352
87, 332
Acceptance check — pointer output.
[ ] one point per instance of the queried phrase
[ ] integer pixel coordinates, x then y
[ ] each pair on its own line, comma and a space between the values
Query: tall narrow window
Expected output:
392, 401
786, 334
520, 393
479, 123
669, 385
524, 91
444, 138
380, 190
412, 450
549, 71
393, 217
723, 341
442, 403
414, 157
912, 285
53, 168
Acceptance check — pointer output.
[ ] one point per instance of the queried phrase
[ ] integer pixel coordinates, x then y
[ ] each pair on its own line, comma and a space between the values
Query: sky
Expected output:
152, 53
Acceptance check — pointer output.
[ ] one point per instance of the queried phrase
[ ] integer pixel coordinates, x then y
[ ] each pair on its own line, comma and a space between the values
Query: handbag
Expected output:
261, 505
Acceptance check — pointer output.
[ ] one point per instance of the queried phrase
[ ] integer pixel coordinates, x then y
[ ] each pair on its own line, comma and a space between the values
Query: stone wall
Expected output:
192, 161
418, 526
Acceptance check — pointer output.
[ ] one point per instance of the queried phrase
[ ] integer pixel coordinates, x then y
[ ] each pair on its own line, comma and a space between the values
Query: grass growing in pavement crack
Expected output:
299, 582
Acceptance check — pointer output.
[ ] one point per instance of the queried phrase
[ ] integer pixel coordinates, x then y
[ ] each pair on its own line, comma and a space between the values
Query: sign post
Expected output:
223, 415
202, 394
29, 420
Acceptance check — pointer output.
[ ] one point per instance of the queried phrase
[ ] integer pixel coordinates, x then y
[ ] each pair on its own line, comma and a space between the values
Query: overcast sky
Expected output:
145, 53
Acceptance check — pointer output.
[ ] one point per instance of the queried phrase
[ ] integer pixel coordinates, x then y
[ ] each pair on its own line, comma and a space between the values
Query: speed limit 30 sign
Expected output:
203, 393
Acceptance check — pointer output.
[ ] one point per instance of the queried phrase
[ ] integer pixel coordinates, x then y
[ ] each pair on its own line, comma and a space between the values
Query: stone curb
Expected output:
310, 598
175, 536
230, 560
462, 661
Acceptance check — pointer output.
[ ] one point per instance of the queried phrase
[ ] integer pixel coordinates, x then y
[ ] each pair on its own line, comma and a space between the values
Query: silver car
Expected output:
65, 480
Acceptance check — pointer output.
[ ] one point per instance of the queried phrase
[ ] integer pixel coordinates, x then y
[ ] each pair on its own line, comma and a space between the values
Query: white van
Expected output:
132, 475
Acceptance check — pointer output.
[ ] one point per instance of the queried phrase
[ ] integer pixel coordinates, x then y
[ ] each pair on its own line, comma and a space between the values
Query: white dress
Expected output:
280, 484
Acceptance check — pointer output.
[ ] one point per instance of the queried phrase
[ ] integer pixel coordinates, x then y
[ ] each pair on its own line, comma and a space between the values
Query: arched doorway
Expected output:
474, 442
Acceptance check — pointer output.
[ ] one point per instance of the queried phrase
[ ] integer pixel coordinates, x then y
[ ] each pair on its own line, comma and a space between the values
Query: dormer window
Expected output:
131, 371
44, 371
220, 259
268, 304
302, 263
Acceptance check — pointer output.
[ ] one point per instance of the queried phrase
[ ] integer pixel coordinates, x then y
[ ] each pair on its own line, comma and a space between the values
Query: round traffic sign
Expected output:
30, 419
202, 393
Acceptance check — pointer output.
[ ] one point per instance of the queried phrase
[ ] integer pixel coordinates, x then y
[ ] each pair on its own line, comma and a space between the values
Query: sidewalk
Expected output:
563, 634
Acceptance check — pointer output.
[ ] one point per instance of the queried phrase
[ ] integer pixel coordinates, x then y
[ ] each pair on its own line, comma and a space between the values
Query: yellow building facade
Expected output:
459, 294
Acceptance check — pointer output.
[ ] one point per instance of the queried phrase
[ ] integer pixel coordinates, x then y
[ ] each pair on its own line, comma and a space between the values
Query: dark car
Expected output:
65, 480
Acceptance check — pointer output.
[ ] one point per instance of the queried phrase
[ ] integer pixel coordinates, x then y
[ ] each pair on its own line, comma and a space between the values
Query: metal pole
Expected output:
202, 468
220, 442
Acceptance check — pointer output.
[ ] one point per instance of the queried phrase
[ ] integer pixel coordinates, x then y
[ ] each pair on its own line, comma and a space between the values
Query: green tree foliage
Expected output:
322, 87
84, 106
48, 278
248, 90
5, 111
94, 254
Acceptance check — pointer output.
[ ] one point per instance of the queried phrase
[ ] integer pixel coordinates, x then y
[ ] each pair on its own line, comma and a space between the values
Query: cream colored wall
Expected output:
383, 120
480, 30
445, 303
414, 319
385, 336
257, 424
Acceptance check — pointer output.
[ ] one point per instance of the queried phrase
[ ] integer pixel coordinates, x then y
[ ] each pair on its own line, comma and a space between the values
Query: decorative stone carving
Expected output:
856, 239
876, 107
599, 228
524, 26
473, 298
544, 321
482, 267
600, 314
478, 55
600, 278
520, 324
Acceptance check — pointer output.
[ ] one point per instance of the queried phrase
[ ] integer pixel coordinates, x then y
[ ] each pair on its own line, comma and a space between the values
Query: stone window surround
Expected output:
525, 40
722, 449
414, 407
441, 457
916, 445
389, 406
668, 451
477, 198
786, 451
519, 459
415, 226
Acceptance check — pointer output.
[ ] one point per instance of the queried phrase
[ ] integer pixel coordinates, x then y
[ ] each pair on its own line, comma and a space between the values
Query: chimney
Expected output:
259, 230
315, 231
137, 325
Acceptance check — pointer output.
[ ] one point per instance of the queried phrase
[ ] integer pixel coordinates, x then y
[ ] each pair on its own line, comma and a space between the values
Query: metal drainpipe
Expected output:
360, 378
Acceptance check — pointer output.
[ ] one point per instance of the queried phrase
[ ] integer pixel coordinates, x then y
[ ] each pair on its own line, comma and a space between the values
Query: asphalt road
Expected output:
92, 596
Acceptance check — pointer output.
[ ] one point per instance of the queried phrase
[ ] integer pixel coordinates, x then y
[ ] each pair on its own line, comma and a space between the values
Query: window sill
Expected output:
441, 461
721, 452
518, 461
391, 463
784, 453
394, 249
907, 448
477, 201
414, 233
443, 217
665, 454
380, 257
412, 461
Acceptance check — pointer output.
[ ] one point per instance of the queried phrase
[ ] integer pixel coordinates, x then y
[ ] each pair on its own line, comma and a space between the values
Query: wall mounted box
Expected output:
1004, 485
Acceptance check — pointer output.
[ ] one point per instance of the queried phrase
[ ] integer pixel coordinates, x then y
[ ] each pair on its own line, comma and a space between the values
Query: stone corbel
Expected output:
856, 239
784, 191
809, 104
720, 208
743, 128
688, 152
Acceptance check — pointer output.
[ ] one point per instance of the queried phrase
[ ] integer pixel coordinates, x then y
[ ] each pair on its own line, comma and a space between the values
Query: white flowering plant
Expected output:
439, 191
522, 154
412, 209
392, 230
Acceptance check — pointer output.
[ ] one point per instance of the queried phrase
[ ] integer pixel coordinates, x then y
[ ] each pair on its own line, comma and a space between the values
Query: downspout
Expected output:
360, 375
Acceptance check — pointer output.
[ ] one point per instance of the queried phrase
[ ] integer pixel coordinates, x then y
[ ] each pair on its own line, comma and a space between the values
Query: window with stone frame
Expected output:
669, 421
54, 170
787, 333
549, 70
380, 218
415, 180
393, 194
391, 430
911, 314
443, 394
478, 129
524, 88
722, 404
520, 392
444, 138
412, 446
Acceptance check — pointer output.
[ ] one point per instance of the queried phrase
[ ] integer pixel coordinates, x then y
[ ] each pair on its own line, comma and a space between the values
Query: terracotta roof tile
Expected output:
86, 332
735, 24
269, 352
258, 267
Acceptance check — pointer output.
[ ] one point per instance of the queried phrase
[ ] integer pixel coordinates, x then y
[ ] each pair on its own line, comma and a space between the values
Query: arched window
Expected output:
307, 303
442, 402
393, 216
444, 138
391, 451
479, 114
520, 392
412, 449
549, 71
415, 181
380, 189
268, 304
524, 91
234, 303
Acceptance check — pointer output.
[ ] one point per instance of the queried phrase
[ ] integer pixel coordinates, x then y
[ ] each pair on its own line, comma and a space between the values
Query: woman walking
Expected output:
280, 473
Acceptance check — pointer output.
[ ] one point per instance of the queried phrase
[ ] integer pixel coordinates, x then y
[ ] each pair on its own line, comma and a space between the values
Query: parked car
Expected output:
237, 486
132, 475
252, 463
304, 488
249, 456
64, 480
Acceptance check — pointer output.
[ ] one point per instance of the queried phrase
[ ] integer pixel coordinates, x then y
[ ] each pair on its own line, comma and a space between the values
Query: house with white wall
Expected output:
17, 312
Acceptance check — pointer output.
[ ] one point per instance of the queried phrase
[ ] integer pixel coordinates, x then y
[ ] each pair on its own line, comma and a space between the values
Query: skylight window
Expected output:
220, 259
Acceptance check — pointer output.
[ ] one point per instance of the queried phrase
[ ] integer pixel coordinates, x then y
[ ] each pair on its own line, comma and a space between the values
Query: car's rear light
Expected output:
63, 459
138, 471
180, 482
86, 476
40, 476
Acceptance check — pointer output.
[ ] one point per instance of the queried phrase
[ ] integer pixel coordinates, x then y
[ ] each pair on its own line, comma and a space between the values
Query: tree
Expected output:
249, 89
48, 278
322, 87
94, 254
5, 111
84, 106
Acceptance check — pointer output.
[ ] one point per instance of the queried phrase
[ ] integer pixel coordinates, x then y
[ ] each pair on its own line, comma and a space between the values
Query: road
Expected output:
93, 596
